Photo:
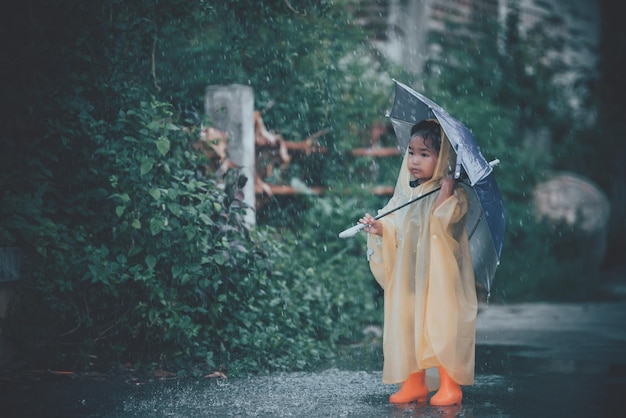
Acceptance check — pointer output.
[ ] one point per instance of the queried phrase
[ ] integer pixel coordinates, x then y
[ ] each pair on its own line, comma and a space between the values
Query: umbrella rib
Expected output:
480, 218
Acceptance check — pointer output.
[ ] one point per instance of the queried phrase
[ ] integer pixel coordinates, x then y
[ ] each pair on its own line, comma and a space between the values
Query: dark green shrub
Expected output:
134, 255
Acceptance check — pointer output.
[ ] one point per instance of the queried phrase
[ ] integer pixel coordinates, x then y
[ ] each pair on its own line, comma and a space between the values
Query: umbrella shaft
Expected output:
407, 203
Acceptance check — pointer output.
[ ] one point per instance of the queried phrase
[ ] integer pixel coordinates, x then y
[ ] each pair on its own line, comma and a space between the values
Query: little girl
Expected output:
420, 257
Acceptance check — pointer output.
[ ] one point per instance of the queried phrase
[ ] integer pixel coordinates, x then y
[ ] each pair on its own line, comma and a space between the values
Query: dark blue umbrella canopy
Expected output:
486, 218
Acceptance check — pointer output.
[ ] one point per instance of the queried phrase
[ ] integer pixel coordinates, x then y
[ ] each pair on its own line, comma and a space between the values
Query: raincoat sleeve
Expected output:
383, 257
453, 209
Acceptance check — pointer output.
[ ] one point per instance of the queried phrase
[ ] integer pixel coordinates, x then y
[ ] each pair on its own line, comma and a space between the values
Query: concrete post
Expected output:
231, 109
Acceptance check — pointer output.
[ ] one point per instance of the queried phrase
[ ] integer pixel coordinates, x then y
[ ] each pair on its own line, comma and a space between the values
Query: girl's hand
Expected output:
373, 226
447, 188
447, 185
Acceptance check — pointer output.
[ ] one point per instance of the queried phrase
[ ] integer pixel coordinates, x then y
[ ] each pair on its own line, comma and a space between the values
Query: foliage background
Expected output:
134, 254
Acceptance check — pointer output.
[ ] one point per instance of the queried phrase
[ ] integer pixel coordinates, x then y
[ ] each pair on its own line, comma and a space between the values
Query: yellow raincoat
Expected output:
423, 263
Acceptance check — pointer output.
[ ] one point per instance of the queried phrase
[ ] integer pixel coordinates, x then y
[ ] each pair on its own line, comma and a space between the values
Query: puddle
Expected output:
507, 384
510, 381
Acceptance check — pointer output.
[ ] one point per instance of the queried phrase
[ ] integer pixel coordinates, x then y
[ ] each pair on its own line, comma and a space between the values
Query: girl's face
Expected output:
422, 160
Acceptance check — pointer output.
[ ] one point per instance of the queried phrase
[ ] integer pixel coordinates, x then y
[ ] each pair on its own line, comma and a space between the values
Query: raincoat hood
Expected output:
445, 164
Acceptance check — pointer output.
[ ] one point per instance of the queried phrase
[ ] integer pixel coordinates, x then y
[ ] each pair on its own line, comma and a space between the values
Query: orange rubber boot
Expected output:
413, 389
449, 392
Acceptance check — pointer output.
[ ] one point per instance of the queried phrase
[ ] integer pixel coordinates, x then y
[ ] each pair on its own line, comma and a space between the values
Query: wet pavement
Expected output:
532, 360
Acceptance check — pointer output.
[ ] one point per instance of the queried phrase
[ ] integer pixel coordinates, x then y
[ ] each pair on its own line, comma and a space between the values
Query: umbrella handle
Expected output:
352, 231
457, 169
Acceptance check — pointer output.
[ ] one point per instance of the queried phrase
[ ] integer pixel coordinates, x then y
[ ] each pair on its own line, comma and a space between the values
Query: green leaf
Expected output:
124, 197
156, 226
151, 261
163, 145
174, 208
172, 193
155, 193
205, 219
119, 210
136, 224
146, 166
177, 271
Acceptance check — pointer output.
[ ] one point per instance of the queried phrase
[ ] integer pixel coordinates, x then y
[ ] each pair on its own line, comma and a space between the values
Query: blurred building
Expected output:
410, 33
403, 30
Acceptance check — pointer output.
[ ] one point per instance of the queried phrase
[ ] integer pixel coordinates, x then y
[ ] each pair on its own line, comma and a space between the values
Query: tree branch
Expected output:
154, 78
294, 10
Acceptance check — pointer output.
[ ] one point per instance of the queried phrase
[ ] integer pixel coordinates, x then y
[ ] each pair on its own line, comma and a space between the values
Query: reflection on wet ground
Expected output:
507, 385
561, 373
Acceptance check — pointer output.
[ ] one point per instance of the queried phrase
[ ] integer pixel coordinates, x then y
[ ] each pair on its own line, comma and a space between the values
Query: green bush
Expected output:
133, 254
166, 273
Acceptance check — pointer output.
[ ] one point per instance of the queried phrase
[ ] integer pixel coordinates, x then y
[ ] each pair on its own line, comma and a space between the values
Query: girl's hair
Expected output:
430, 131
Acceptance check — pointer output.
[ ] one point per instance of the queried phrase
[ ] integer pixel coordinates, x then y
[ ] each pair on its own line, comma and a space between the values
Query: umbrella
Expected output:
486, 217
